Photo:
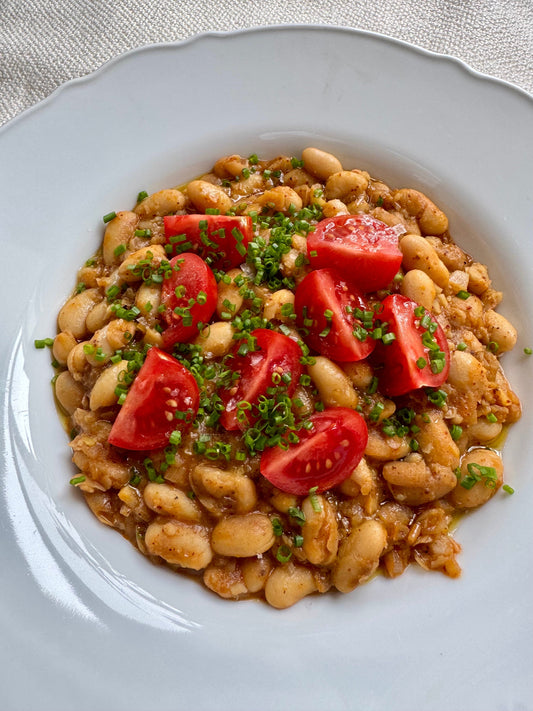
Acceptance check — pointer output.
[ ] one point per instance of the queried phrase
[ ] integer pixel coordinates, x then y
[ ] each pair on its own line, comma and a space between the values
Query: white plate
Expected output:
88, 623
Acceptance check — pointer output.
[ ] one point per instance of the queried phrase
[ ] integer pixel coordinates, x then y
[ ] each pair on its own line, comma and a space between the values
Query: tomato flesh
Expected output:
222, 240
193, 303
276, 353
321, 293
325, 456
403, 357
163, 397
362, 248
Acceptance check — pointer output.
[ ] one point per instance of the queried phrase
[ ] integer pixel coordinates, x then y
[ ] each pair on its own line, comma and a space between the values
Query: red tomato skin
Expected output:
339, 436
276, 353
400, 373
195, 276
362, 248
142, 422
324, 289
220, 250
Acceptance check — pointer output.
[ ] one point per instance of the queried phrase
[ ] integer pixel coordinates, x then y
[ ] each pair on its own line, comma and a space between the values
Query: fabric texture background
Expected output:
43, 43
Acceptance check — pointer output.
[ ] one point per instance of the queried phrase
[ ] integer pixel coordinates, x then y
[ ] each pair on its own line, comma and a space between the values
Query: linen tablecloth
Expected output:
44, 43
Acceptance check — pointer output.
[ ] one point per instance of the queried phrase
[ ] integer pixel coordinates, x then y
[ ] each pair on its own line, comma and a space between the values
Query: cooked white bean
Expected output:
384, 448
69, 392
335, 207
255, 572
435, 441
334, 386
345, 185
484, 431
223, 491
77, 361
413, 482
130, 271
118, 233
148, 299
359, 555
103, 392
320, 532
229, 298
486, 486
98, 316
164, 202
360, 373
467, 374
230, 166
216, 339
73, 315
418, 253
500, 331
114, 335
64, 342
273, 309
320, 163
169, 500
419, 287
243, 536
432, 221
179, 543
281, 199
288, 584
204, 196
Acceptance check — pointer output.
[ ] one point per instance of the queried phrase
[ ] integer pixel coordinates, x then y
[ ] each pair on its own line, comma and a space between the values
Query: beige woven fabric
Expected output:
43, 43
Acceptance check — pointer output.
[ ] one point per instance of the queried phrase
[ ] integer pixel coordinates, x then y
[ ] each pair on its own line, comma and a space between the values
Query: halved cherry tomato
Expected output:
326, 305
222, 240
190, 298
163, 397
325, 456
362, 248
418, 356
274, 354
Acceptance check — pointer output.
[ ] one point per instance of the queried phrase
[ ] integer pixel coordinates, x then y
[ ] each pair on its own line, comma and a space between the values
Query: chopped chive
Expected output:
120, 249
456, 431
110, 216
277, 527
284, 554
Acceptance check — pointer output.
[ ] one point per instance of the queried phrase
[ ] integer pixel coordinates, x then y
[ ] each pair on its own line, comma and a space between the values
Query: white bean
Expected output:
73, 315
103, 392
179, 543
288, 584
320, 163
243, 536
164, 202
334, 386
359, 555
68, 392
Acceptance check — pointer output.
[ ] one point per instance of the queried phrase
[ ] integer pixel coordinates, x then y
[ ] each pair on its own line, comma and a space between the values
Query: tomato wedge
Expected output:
276, 356
362, 248
325, 456
418, 356
327, 307
163, 397
222, 240
190, 298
